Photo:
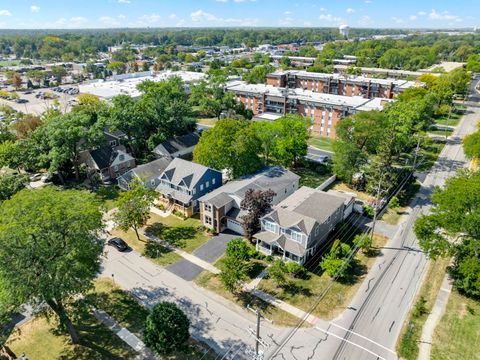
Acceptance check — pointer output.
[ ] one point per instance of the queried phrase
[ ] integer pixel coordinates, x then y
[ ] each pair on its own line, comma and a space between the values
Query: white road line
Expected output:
351, 342
364, 337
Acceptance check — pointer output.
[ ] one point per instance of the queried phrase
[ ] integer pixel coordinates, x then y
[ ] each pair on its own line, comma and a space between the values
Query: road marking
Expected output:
351, 342
364, 337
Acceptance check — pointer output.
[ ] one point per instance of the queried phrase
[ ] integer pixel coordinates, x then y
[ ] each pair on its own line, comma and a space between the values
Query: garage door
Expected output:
235, 226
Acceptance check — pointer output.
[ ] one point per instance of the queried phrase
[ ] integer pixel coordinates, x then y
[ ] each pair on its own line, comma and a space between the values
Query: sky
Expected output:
69, 14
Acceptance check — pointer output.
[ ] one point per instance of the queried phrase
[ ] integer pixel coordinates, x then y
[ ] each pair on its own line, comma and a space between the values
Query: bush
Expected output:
394, 202
363, 241
154, 250
166, 329
368, 211
277, 272
179, 214
295, 269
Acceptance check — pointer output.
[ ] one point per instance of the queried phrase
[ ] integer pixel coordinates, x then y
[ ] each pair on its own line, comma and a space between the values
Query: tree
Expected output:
258, 74
234, 271
453, 229
230, 145
277, 272
11, 184
471, 145
237, 248
291, 143
50, 259
117, 66
15, 79
364, 242
336, 263
212, 97
59, 72
166, 329
257, 203
134, 207
26, 125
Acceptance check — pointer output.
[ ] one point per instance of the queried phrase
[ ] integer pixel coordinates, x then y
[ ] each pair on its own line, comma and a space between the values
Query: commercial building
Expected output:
337, 84
270, 102
126, 84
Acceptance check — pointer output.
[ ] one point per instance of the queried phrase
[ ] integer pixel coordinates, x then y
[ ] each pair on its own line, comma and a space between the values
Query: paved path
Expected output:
130, 339
213, 249
434, 318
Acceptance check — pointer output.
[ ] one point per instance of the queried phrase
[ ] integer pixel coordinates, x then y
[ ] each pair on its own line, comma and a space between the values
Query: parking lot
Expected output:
36, 105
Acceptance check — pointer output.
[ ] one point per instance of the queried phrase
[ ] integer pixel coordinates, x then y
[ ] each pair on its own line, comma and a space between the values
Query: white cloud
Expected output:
365, 21
323, 9
445, 15
201, 17
368, 1
287, 13
122, 17
34, 9
173, 16
350, 11
5, 13
413, 17
124, 1
150, 19
422, 13
397, 20
330, 18
78, 21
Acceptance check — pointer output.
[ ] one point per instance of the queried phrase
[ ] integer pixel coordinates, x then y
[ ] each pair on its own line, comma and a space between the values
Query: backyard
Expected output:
312, 174
321, 143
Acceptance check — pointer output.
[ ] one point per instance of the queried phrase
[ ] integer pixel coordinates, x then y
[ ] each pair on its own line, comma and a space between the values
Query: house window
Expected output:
208, 220
201, 187
207, 184
213, 181
113, 143
317, 230
152, 182
296, 236
121, 157
208, 207
270, 226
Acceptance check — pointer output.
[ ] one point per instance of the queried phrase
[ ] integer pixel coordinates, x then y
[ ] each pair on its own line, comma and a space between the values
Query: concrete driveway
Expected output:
214, 248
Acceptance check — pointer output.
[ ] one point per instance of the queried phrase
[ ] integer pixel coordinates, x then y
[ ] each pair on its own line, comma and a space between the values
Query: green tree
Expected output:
277, 272
11, 184
234, 272
230, 145
258, 75
134, 207
364, 242
212, 97
471, 145
166, 329
290, 145
453, 229
51, 258
336, 262
237, 248
117, 66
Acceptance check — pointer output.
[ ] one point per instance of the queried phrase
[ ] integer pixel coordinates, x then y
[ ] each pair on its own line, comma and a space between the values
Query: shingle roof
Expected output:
274, 178
177, 143
183, 171
102, 156
148, 171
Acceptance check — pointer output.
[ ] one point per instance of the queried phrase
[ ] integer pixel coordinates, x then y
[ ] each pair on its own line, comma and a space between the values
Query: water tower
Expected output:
344, 30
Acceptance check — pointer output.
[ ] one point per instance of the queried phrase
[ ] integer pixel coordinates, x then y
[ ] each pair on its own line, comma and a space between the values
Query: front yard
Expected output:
321, 143
303, 292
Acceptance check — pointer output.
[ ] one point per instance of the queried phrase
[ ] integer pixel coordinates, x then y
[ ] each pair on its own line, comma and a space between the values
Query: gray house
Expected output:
220, 209
178, 146
148, 174
299, 225
183, 182
108, 162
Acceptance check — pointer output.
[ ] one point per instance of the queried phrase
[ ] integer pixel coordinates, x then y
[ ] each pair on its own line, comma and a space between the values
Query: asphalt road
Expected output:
369, 328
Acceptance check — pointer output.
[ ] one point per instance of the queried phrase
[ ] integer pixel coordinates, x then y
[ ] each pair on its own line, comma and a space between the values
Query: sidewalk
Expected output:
433, 319
130, 339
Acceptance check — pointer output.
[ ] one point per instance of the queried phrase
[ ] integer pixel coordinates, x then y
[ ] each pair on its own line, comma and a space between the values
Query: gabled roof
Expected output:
177, 144
181, 171
105, 156
148, 171
274, 178
304, 208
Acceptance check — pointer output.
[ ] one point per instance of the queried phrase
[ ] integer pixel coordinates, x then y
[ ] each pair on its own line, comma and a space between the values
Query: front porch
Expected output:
273, 249
171, 205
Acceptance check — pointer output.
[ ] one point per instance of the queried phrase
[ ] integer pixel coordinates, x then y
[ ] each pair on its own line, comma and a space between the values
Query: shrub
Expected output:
394, 202
295, 269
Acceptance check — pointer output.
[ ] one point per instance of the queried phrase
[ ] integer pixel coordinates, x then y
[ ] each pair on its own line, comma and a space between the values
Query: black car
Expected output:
118, 243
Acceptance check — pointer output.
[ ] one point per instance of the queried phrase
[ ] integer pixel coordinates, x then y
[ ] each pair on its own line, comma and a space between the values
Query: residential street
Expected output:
376, 315
215, 321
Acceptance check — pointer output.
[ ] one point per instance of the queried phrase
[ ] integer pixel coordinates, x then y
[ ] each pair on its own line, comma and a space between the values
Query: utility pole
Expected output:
416, 154
375, 212
258, 340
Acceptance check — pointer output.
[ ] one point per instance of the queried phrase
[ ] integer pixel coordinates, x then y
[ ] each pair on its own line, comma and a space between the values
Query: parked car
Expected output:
21, 101
36, 177
118, 243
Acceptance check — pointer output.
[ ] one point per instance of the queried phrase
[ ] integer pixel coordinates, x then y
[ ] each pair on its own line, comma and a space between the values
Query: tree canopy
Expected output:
49, 248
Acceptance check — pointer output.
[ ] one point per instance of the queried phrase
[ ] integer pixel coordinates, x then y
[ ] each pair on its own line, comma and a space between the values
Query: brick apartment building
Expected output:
337, 84
325, 110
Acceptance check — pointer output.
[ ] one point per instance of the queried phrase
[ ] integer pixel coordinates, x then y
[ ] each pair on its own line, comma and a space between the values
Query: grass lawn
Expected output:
123, 307
40, 340
428, 154
312, 174
279, 317
439, 132
392, 215
453, 121
207, 121
341, 186
321, 143
458, 331
303, 293
407, 346
108, 195
186, 234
